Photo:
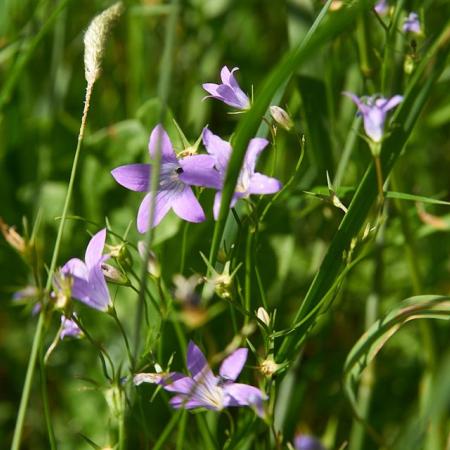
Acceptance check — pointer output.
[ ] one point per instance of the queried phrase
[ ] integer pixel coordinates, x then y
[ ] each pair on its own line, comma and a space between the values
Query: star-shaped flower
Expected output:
229, 91
249, 182
205, 390
374, 110
88, 283
175, 179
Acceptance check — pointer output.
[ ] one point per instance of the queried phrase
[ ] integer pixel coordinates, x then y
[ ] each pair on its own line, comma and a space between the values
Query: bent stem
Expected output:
17, 437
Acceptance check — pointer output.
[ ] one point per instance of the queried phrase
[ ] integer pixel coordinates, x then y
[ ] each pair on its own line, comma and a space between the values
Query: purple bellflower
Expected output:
88, 282
306, 442
411, 23
205, 390
249, 181
69, 328
174, 189
229, 91
374, 111
381, 7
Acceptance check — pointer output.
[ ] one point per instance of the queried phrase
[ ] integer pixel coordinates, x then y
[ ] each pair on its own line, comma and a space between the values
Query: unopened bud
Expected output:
263, 316
153, 266
95, 39
114, 275
281, 117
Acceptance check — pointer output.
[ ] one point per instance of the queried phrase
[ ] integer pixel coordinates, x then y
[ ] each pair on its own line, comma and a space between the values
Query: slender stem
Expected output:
167, 430
17, 437
181, 431
114, 315
163, 94
44, 393
122, 428
53, 345
101, 351
28, 382
183, 246
248, 272
380, 182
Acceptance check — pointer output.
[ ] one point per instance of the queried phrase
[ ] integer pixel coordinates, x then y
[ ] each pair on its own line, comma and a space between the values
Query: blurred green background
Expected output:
41, 100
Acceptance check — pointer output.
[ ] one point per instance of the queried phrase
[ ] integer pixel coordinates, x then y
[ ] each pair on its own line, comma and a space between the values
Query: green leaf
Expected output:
403, 121
372, 341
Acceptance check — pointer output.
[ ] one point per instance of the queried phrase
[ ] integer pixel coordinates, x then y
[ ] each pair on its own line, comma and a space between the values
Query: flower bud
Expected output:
114, 275
281, 117
115, 399
263, 316
62, 290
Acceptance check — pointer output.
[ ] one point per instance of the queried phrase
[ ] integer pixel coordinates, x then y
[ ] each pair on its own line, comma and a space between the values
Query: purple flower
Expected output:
249, 181
374, 111
381, 7
411, 23
175, 177
70, 328
305, 442
229, 91
205, 390
88, 282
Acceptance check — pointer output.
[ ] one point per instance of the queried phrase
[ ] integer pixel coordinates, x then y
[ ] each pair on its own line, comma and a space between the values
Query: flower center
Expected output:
169, 177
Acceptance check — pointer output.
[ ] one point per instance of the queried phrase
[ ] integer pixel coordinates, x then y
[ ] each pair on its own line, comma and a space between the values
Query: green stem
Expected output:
181, 431
44, 393
167, 430
40, 326
248, 273
114, 315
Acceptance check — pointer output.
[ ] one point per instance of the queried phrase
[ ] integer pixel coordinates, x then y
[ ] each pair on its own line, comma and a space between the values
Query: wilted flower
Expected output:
268, 367
14, 239
88, 283
306, 442
374, 110
281, 117
69, 328
381, 7
249, 181
173, 190
411, 23
204, 390
229, 91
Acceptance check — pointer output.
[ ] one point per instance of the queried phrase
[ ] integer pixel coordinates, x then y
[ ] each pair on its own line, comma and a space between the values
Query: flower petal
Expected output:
262, 184
94, 249
198, 170
217, 147
363, 108
217, 201
211, 88
238, 394
99, 294
133, 176
162, 206
196, 360
75, 267
255, 147
186, 402
183, 385
233, 364
392, 102
187, 206
159, 137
